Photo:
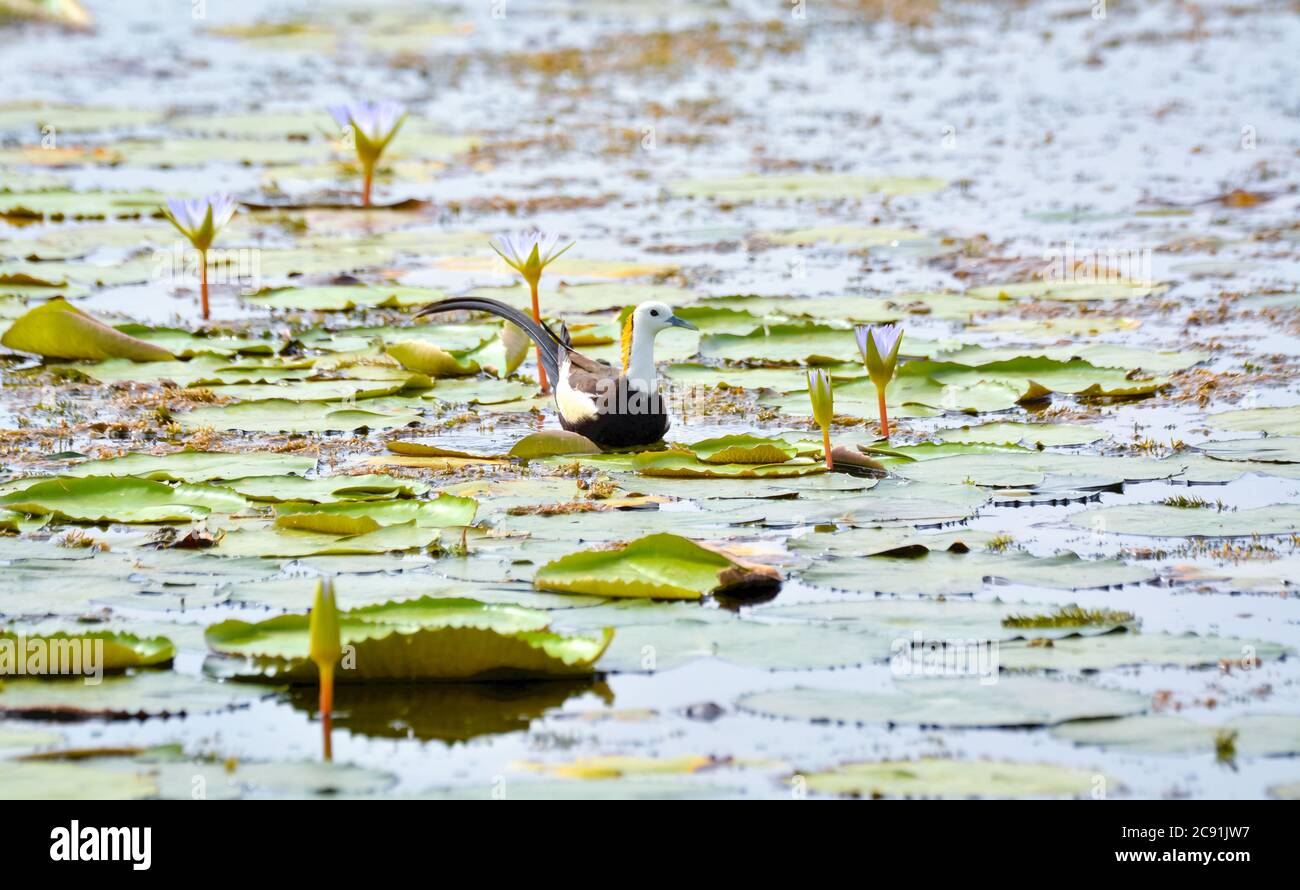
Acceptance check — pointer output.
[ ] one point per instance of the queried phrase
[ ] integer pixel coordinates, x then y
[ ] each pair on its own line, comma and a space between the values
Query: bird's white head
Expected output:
639, 332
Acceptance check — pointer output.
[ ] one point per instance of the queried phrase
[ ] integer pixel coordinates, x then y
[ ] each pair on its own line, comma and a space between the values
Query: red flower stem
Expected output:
826, 446
884, 415
365, 188
537, 317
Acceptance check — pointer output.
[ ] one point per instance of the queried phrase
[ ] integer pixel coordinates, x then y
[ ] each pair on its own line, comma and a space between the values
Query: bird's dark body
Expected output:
624, 415
632, 418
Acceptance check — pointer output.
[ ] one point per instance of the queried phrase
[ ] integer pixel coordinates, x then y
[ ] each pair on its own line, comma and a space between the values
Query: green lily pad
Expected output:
1069, 291
1031, 469
103, 650
1010, 702
654, 636
70, 781
1256, 735
327, 489
181, 777
1123, 649
661, 566
1274, 449
1274, 421
122, 697
280, 415
196, 466
287, 543
57, 329
367, 516
682, 464
1162, 520
56, 205
552, 443
743, 449
950, 573
935, 777
1024, 434
183, 344
74, 118
121, 499
424, 639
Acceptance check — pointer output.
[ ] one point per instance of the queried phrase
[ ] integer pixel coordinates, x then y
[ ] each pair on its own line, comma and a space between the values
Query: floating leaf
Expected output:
426, 358
297, 543
552, 443
1162, 520
367, 516
934, 777
56, 205
1024, 434
195, 466
1274, 449
661, 566
71, 781
1258, 735
1123, 649
280, 415
682, 464
1010, 702
57, 329
1069, 291
424, 639
343, 298
743, 449
952, 573
119, 697
1274, 421
365, 487
122, 499
102, 650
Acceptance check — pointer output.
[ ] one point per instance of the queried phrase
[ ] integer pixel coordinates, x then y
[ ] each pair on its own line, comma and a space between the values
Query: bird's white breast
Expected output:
574, 406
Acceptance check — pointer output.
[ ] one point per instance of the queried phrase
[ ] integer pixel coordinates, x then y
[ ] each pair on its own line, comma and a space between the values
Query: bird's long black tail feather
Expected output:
543, 336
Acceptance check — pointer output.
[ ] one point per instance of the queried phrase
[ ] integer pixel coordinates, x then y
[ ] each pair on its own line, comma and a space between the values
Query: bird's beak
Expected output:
679, 322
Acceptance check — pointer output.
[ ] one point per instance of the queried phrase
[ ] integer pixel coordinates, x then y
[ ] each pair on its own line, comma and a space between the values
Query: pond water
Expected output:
706, 153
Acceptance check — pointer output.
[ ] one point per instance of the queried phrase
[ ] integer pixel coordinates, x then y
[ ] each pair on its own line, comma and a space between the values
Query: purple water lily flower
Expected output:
518, 251
879, 347
199, 219
528, 253
886, 335
374, 124
377, 121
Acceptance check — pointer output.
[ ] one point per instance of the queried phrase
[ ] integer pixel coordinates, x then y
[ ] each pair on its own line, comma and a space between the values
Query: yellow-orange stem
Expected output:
203, 282
537, 317
884, 415
365, 188
826, 446
327, 706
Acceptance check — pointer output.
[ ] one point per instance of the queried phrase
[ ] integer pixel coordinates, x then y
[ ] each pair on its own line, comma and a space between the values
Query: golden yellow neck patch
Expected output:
627, 342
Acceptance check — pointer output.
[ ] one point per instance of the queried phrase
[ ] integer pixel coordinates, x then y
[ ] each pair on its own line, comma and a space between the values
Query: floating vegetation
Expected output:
313, 418
1071, 616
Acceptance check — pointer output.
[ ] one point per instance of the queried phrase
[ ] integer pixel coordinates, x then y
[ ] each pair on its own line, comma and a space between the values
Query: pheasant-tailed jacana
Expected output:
611, 406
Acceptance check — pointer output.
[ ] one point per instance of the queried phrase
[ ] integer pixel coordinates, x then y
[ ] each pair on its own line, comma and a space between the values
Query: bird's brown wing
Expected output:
590, 376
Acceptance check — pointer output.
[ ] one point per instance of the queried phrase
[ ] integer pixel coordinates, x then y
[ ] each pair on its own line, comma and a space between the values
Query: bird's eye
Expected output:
654, 312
